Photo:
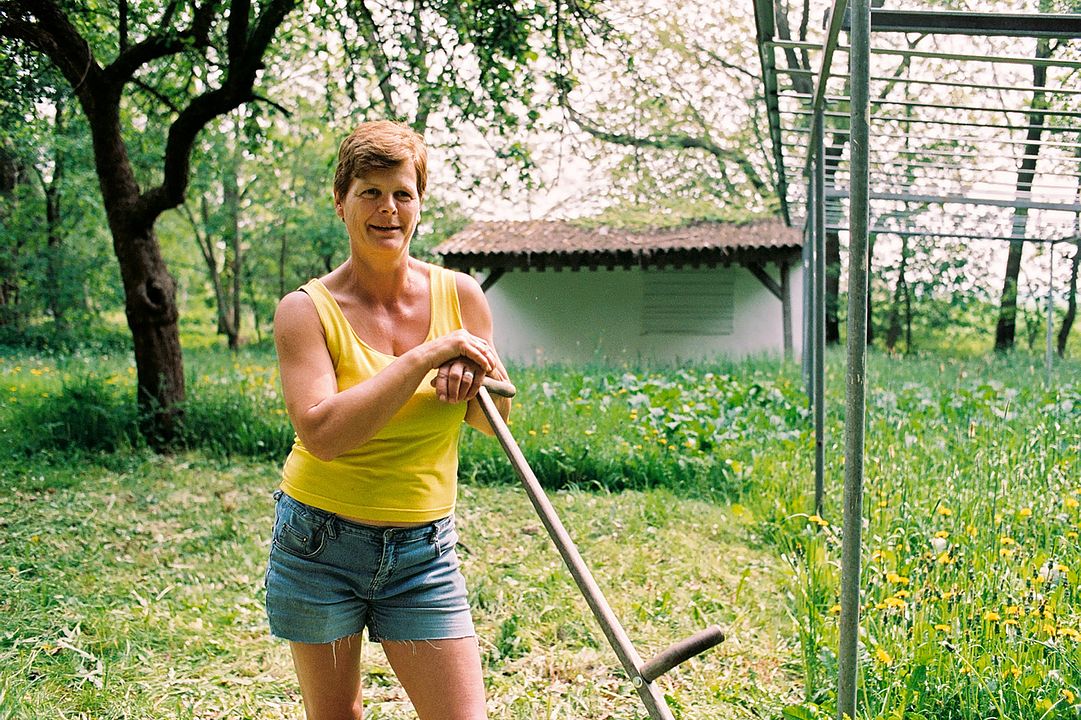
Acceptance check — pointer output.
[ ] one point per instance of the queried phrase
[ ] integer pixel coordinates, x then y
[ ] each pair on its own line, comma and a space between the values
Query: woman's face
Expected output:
381, 209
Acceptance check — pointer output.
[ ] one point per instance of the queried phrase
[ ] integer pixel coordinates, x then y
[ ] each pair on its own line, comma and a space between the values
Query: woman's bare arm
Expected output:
329, 422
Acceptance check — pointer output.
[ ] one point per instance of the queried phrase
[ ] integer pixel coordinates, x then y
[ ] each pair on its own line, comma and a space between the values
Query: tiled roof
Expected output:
556, 243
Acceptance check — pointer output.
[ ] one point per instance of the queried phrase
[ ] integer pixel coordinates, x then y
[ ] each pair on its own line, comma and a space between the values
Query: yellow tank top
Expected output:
408, 471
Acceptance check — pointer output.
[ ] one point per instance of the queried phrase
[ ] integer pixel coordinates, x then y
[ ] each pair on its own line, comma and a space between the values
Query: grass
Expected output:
135, 592
130, 583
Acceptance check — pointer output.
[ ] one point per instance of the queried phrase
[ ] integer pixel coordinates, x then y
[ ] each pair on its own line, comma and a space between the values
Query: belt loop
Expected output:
330, 524
433, 533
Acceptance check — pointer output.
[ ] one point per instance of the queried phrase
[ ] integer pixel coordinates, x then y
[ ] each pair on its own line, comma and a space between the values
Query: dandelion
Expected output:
883, 503
942, 534
1071, 503
1071, 535
1014, 671
896, 579
883, 657
991, 616
942, 628
944, 511
1025, 512
1069, 696
818, 521
902, 593
1007, 541
835, 610
894, 602
1069, 633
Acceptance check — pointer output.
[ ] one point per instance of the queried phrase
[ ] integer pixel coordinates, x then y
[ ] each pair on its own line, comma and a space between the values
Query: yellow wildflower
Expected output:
902, 593
1025, 512
883, 657
942, 628
1071, 503
1014, 671
991, 616
1068, 632
942, 534
1069, 696
1072, 535
818, 521
897, 579
895, 602
943, 510
1007, 541
835, 610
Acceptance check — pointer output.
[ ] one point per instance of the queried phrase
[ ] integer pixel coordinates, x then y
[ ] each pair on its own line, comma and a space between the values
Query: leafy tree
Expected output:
149, 78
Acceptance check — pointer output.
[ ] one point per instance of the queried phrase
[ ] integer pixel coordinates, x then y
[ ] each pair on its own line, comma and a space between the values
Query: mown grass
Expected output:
135, 592
689, 490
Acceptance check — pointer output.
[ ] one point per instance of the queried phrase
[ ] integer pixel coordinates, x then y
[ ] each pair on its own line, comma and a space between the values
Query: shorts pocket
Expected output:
300, 535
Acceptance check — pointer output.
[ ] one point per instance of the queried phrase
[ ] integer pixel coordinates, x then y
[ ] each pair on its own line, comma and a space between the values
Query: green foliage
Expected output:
672, 213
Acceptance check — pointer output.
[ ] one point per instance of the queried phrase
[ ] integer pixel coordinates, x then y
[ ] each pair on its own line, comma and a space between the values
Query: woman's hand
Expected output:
462, 345
458, 380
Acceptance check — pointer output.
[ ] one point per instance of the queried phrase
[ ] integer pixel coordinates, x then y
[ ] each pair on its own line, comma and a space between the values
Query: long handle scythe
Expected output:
642, 674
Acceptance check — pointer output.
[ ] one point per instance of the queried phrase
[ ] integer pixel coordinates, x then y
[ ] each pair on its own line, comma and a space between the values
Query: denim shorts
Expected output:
329, 578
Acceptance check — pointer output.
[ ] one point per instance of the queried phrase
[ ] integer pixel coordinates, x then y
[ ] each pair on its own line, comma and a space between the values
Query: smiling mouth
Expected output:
386, 228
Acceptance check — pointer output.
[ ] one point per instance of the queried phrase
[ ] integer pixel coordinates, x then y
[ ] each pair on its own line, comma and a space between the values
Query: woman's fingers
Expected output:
458, 380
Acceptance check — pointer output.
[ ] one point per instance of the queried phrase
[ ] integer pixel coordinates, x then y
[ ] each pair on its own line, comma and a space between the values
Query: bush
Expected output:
87, 414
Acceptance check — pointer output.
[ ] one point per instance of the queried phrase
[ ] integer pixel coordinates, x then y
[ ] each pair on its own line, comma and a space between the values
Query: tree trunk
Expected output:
149, 289
900, 292
1071, 302
231, 207
54, 281
1006, 328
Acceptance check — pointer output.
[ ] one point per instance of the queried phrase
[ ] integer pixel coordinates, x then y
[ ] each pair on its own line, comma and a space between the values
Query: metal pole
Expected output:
808, 308
1050, 313
855, 399
820, 317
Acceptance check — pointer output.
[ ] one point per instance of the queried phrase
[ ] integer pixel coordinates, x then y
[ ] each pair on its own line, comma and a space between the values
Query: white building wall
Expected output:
596, 316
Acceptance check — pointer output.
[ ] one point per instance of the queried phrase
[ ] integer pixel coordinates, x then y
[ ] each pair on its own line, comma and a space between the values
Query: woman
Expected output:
380, 362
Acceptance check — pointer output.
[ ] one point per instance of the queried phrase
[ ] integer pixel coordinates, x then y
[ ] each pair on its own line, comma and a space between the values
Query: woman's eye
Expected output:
369, 193
404, 196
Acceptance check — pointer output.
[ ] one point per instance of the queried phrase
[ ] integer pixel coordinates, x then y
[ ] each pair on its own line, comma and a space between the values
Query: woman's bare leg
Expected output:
443, 678
329, 677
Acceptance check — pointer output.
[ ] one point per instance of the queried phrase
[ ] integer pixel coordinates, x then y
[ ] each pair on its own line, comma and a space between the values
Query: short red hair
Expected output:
379, 145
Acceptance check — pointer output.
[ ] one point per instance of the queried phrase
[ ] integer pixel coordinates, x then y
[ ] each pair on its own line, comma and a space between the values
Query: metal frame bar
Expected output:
962, 200
765, 26
897, 163
856, 367
974, 23
943, 83
938, 106
959, 139
933, 121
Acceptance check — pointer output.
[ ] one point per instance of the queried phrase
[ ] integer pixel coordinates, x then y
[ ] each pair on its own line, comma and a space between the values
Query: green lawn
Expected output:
136, 592
131, 583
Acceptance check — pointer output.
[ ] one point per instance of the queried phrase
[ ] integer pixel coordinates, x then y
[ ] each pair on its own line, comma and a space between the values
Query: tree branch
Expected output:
674, 141
128, 62
43, 27
236, 89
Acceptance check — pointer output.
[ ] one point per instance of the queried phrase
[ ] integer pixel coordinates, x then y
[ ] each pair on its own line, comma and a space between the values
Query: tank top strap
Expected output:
337, 328
446, 309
